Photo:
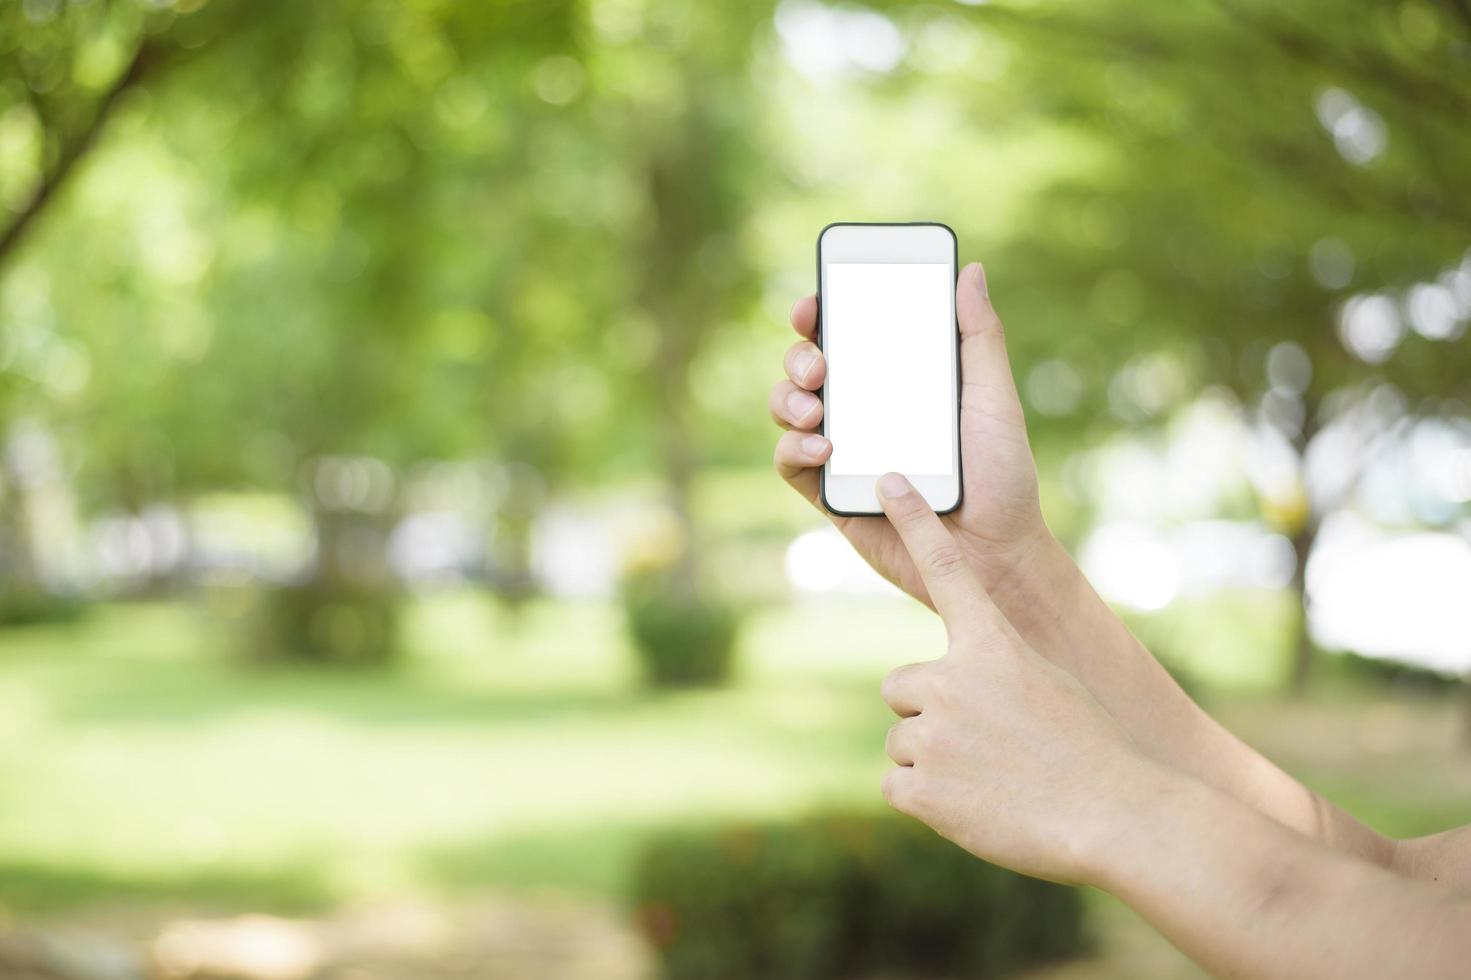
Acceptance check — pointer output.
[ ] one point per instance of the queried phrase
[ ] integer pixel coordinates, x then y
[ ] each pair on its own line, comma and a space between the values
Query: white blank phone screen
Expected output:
889, 338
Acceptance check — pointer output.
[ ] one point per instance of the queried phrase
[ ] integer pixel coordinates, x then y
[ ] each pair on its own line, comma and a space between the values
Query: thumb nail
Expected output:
981, 286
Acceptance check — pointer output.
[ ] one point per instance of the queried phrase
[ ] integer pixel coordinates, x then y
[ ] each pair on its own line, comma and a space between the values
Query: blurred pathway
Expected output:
484, 938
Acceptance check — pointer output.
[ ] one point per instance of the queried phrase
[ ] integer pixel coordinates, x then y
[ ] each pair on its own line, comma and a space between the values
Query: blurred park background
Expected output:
393, 581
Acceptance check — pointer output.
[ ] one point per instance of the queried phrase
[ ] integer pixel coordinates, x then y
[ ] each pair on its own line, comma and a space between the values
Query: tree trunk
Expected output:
1303, 651
345, 611
678, 459
1466, 701
677, 310
146, 60
510, 560
21, 587
17, 555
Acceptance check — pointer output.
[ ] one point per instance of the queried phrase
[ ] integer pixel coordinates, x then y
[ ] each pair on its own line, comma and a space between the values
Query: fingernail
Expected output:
893, 485
800, 404
981, 280
814, 445
805, 362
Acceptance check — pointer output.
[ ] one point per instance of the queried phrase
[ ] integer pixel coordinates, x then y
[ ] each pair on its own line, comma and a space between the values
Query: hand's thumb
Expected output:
983, 361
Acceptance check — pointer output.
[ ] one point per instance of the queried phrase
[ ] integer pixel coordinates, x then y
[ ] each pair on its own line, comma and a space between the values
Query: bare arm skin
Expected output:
1245, 897
1011, 757
1001, 534
1063, 617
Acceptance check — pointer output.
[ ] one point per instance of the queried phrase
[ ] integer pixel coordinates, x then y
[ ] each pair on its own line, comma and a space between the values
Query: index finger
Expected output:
953, 587
804, 316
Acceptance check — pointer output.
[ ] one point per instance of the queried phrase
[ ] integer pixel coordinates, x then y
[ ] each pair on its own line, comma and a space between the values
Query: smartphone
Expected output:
886, 326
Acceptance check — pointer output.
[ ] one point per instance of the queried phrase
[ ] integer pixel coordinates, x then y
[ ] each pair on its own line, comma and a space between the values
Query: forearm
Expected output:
1244, 896
1051, 604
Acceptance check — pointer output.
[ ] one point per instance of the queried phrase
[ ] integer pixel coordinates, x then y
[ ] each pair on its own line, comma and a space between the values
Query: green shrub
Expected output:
841, 896
334, 624
680, 640
24, 605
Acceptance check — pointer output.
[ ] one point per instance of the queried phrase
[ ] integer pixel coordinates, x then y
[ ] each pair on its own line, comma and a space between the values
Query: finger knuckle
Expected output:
895, 788
892, 687
935, 741
946, 559
909, 511
984, 321
940, 688
919, 797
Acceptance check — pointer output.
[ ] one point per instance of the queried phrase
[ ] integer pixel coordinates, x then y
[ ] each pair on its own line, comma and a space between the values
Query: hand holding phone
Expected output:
999, 520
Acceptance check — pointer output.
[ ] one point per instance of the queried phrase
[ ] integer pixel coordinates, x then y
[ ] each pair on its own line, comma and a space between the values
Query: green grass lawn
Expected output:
140, 761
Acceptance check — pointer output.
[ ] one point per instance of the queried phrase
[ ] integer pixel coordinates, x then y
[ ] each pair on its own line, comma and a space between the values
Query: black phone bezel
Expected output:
822, 429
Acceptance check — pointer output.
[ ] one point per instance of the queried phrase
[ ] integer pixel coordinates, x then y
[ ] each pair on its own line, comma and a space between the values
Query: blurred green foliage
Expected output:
247, 236
841, 896
433, 229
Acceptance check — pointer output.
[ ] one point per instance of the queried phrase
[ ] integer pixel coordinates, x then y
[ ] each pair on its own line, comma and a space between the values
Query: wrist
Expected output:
1038, 583
1143, 797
